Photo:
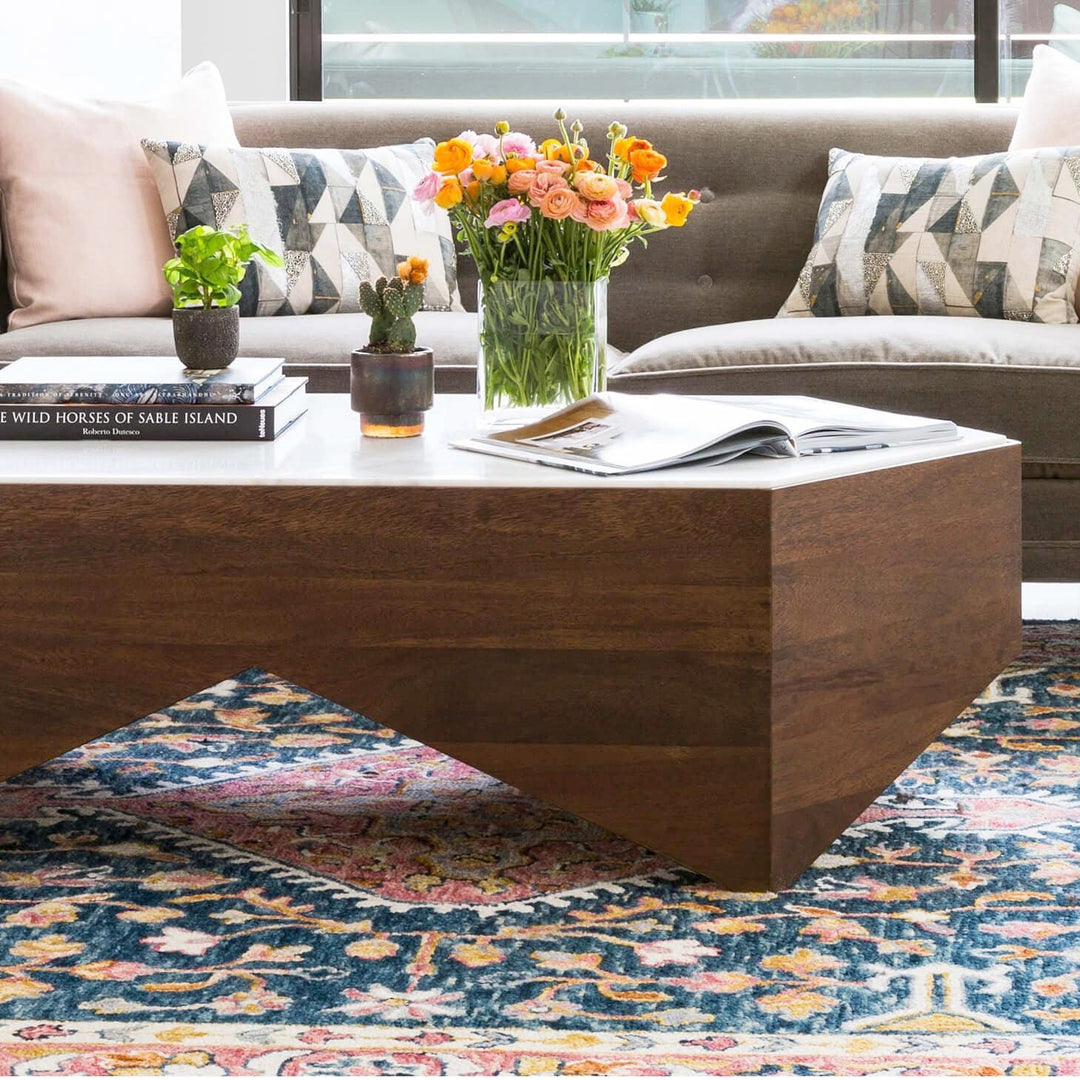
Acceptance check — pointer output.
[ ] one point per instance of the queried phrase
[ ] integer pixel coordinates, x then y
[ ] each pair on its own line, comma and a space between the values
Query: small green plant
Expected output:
392, 303
210, 263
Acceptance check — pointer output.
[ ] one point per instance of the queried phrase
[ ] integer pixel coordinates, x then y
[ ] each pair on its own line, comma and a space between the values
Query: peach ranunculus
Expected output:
676, 208
603, 214
449, 193
649, 211
414, 269
646, 164
594, 186
554, 168
452, 156
544, 183
559, 203
521, 181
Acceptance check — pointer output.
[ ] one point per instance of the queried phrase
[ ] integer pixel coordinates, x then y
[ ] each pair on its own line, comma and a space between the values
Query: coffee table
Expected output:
724, 664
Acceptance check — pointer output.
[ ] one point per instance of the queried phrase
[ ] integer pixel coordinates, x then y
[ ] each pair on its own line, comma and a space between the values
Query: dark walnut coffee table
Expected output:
724, 664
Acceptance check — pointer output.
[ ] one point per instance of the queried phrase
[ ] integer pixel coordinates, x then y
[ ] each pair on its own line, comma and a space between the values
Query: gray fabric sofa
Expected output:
694, 314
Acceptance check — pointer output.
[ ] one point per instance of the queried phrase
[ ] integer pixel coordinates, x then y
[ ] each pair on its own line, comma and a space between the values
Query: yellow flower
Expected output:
46, 948
516, 164
480, 954
676, 208
550, 148
449, 193
651, 212
482, 168
413, 269
452, 156
372, 949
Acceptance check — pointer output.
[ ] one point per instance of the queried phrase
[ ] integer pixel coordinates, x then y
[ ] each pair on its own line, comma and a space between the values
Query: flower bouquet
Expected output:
546, 225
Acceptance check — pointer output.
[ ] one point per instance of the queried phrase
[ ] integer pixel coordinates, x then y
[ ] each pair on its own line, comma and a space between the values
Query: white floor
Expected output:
1051, 600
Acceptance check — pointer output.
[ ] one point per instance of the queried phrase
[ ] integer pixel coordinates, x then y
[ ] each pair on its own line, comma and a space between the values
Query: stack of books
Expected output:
146, 397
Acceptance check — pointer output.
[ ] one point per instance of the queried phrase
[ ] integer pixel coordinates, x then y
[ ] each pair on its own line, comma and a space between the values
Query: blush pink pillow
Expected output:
1050, 111
83, 230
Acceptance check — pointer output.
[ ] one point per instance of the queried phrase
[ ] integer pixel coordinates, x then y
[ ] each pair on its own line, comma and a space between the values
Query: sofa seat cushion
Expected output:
309, 340
1021, 379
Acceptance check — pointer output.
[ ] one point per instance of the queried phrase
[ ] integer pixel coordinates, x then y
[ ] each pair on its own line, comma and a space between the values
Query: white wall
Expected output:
92, 48
247, 39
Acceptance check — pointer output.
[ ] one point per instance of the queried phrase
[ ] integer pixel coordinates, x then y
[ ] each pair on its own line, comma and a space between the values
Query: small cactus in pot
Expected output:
392, 381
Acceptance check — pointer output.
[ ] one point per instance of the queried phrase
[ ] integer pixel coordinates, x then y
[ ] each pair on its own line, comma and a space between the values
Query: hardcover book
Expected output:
273, 413
134, 380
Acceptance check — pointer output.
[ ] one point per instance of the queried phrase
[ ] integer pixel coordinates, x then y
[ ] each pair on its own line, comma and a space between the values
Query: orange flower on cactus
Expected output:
452, 156
676, 208
449, 193
414, 269
646, 164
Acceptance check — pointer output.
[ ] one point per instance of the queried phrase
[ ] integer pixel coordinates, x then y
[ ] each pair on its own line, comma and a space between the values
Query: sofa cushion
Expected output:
337, 218
996, 236
1022, 379
84, 235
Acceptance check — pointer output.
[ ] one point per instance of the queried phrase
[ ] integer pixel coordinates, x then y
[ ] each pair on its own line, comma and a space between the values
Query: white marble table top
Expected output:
325, 448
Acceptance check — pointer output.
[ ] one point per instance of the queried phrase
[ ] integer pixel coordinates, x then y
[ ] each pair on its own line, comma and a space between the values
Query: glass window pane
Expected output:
1023, 24
648, 48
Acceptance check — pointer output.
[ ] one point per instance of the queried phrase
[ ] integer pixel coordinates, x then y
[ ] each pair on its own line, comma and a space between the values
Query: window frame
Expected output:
305, 51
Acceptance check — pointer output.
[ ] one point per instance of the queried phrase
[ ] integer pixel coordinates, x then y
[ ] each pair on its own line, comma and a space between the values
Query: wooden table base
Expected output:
727, 676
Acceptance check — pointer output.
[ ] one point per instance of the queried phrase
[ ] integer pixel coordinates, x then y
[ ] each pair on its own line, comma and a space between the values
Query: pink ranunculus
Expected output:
466, 176
544, 183
625, 188
520, 181
507, 210
483, 145
556, 168
514, 142
559, 203
603, 214
426, 190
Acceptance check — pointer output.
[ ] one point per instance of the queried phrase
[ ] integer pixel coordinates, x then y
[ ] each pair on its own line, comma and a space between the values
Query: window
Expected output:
634, 49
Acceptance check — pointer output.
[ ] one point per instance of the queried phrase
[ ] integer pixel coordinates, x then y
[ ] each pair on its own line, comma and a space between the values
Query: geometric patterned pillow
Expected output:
338, 218
993, 237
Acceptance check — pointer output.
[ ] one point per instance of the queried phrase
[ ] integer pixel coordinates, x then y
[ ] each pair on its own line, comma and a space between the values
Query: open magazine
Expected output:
612, 434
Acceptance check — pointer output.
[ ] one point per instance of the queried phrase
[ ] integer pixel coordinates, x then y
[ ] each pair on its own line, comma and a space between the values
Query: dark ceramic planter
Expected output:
207, 339
392, 391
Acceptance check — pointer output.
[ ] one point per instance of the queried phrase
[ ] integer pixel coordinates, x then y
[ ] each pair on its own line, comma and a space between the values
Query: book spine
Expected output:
205, 422
129, 394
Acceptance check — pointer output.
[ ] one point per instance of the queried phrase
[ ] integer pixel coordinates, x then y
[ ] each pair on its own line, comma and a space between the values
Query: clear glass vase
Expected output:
543, 344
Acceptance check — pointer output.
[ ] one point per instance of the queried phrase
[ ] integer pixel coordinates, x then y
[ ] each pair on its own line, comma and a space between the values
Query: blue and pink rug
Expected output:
257, 881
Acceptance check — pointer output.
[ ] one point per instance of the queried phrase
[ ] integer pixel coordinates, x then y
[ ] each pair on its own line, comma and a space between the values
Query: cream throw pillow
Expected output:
83, 231
1050, 111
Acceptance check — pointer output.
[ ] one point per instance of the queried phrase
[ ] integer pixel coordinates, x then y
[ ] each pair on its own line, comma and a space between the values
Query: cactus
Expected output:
392, 303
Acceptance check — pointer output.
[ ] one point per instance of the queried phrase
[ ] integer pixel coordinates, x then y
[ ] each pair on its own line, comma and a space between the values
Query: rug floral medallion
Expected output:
258, 881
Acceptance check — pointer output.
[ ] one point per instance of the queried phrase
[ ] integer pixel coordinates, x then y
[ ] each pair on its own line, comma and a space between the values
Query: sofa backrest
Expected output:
761, 166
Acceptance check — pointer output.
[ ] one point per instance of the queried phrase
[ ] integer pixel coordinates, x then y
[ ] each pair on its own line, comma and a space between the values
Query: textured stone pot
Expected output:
392, 391
207, 339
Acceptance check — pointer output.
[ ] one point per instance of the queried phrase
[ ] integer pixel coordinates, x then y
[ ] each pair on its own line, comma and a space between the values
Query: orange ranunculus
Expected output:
516, 164
587, 165
498, 174
676, 208
482, 168
414, 269
646, 164
452, 156
571, 152
623, 148
472, 192
449, 193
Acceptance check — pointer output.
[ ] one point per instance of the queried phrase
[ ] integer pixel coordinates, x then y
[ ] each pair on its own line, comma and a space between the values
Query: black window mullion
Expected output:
987, 52
305, 50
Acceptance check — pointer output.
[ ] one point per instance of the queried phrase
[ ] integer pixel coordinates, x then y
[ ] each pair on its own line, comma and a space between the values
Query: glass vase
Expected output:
543, 344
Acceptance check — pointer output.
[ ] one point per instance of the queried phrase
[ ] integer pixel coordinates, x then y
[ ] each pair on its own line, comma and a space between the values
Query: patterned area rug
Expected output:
257, 881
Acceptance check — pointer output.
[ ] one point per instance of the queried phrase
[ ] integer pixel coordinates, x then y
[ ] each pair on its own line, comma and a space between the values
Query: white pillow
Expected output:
83, 230
1050, 111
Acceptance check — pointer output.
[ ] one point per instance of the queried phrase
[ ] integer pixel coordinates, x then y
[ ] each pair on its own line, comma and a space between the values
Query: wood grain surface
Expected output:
725, 676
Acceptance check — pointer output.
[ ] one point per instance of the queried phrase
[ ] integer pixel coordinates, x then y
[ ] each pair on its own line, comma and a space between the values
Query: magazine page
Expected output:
626, 432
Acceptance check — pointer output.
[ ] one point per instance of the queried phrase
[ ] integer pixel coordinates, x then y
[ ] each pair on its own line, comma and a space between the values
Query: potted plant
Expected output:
209, 265
392, 381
